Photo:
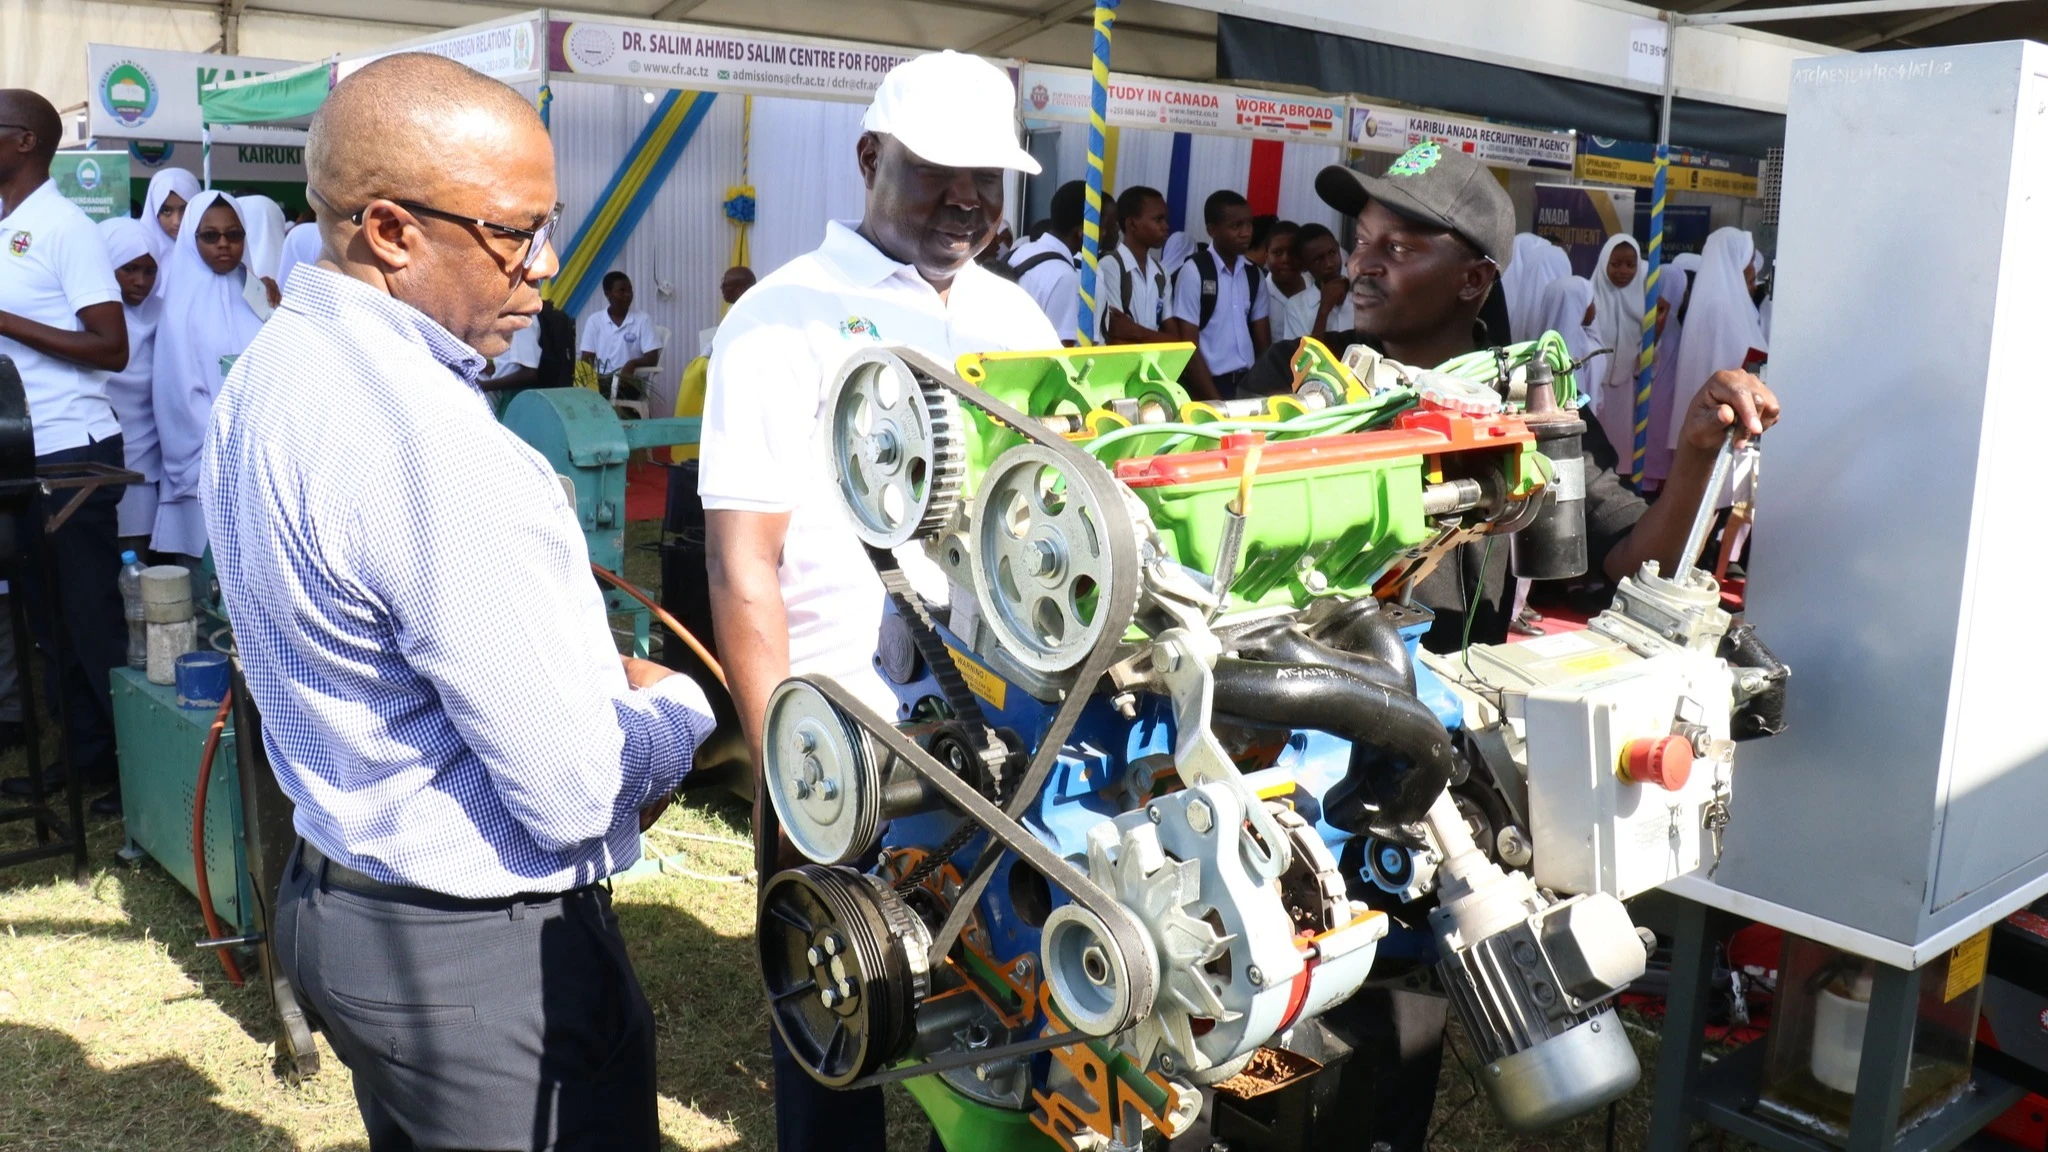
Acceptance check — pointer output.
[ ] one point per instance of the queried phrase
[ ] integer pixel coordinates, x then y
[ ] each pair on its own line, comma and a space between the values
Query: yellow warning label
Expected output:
980, 681
1966, 965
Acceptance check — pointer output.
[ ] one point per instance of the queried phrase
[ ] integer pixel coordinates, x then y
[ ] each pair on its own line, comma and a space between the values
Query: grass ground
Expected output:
115, 1033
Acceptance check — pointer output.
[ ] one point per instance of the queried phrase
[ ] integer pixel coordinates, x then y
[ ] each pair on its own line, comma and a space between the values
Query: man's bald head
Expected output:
28, 110
432, 182
411, 125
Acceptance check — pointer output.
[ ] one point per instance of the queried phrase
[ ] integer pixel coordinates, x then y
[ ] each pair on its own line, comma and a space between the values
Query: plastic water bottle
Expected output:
131, 607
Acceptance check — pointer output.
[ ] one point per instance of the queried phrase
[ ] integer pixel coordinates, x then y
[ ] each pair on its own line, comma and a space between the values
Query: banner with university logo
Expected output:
1634, 163
1504, 145
718, 59
277, 171
1049, 93
149, 94
95, 181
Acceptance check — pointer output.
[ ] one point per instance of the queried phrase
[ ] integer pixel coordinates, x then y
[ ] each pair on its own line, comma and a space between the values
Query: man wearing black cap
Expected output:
1433, 236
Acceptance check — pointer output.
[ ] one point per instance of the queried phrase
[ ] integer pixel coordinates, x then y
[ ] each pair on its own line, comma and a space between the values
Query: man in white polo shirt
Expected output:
62, 325
791, 588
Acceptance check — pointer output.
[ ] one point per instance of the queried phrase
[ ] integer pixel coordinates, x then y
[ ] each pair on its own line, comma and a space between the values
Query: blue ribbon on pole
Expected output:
1646, 362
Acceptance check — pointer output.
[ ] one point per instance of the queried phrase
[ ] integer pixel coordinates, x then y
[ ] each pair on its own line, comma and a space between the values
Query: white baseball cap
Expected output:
951, 109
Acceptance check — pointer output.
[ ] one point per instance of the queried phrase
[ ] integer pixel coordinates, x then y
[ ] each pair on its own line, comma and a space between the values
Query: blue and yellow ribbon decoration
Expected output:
1646, 360
633, 187
1098, 132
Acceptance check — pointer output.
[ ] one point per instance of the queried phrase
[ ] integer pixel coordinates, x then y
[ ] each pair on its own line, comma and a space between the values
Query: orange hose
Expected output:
667, 620
213, 924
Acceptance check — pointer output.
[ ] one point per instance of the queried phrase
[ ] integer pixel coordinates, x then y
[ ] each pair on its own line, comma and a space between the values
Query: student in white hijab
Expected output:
163, 207
129, 389
264, 222
301, 246
1721, 325
1531, 269
1610, 381
205, 317
1566, 300
1672, 286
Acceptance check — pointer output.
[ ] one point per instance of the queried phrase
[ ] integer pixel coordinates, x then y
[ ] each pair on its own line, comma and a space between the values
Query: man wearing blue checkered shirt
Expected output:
421, 632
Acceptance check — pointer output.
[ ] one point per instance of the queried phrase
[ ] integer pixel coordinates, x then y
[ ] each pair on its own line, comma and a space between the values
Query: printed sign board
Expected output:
149, 94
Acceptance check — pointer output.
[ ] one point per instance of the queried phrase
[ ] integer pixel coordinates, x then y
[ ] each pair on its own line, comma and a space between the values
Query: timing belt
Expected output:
1125, 933
1118, 599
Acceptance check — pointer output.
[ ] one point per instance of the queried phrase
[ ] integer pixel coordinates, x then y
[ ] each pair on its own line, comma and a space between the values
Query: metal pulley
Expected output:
895, 448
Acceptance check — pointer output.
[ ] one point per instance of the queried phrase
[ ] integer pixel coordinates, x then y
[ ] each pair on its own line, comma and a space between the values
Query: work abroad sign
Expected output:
718, 59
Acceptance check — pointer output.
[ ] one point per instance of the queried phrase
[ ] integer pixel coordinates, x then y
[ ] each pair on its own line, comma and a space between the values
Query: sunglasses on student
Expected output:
536, 239
215, 236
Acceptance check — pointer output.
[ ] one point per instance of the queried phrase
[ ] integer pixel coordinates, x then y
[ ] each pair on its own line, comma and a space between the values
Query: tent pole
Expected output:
1098, 133
1646, 360
205, 155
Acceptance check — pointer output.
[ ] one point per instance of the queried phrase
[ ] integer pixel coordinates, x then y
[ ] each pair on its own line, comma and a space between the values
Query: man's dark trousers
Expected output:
84, 559
508, 1024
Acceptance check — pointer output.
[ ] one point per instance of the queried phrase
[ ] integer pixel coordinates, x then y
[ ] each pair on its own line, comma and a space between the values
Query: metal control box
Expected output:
1596, 830
1899, 551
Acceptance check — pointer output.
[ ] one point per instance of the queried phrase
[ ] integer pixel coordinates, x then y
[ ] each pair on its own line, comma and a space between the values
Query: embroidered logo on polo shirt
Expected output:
854, 326
1417, 160
20, 242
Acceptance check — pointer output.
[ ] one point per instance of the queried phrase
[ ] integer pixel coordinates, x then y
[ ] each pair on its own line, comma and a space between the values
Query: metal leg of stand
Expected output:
31, 727
1887, 1052
59, 645
1685, 1022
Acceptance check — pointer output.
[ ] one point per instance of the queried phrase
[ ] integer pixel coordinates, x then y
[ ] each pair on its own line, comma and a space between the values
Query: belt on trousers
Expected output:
338, 875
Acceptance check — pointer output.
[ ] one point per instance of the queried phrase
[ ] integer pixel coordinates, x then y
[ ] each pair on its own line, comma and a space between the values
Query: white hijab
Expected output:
129, 389
263, 220
1564, 312
205, 317
1721, 323
301, 246
1618, 312
1529, 270
161, 185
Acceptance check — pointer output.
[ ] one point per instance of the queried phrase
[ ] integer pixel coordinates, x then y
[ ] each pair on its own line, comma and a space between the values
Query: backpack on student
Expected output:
1014, 273
1123, 283
1204, 260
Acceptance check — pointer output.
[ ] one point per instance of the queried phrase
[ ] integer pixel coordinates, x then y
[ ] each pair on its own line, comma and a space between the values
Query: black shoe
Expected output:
108, 805
53, 781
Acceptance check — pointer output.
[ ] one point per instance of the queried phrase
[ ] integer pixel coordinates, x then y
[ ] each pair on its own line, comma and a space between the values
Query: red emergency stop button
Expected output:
1662, 760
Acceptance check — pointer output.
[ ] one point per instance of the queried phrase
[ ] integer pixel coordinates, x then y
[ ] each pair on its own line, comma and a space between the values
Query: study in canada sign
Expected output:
1172, 106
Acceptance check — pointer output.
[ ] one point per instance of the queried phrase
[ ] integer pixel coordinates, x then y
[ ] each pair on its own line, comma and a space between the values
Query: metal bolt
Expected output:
1315, 581
829, 998
807, 742
1042, 558
1169, 659
1152, 812
880, 447
831, 944
1166, 1063
802, 787
1596, 1025
1022, 968
829, 789
846, 989
1201, 817
815, 956
1257, 977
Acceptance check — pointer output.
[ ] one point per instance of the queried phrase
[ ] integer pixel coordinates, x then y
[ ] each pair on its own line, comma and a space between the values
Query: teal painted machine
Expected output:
588, 446
160, 745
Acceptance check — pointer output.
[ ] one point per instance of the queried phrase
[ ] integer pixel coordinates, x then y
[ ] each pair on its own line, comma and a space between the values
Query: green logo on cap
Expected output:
1417, 160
